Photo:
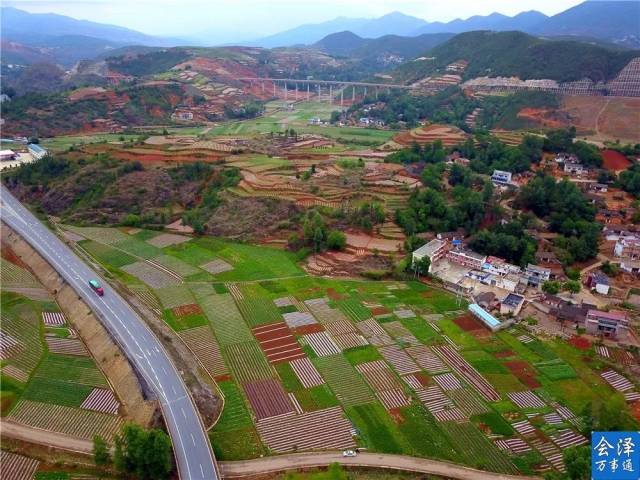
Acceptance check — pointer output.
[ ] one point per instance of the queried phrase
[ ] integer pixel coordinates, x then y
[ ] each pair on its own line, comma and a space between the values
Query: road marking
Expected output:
193, 440
112, 312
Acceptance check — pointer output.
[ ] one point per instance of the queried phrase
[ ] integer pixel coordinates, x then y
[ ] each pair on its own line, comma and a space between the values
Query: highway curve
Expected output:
193, 453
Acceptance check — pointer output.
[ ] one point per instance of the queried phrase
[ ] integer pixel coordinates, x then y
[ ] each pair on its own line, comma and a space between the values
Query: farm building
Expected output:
434, 250
609, 324
486, 318
36, 151
511, 304
7, 155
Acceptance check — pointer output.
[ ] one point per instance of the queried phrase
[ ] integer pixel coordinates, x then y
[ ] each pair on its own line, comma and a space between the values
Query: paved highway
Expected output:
190, 443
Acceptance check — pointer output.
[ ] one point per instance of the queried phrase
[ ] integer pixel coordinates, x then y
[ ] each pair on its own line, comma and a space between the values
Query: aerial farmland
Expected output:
307, 363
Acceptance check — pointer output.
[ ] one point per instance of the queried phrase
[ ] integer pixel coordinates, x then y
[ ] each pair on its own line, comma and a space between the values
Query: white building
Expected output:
467, 258
434, 250
501, 177
7, 155
536, 275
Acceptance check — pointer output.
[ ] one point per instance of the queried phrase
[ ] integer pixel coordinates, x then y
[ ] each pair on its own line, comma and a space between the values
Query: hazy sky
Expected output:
248, 19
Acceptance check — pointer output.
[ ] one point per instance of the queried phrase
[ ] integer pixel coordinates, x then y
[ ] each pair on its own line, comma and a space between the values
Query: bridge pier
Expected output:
330, 94
341, 97
308, 93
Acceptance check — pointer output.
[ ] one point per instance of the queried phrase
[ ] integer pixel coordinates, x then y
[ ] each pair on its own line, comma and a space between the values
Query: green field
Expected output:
235, 301
277, 120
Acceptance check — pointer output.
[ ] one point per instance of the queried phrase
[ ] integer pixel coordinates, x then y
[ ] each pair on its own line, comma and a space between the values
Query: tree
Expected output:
572, 286
578, 462
422, 266
101, 455
336, 240
459, 175
318, 238
144, 453
551, 287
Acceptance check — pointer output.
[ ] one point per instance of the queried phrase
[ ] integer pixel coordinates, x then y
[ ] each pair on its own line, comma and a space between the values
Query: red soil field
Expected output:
423, 378
10, 256
524, 371
379, 311
184, 310
306, 329
504, 354
333, 295
543, 116
222, 378
277, 342
580, 343
615, 160
468, 323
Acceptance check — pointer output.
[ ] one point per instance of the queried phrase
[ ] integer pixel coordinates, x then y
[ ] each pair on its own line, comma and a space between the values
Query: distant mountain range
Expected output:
612, 21
349, 44
44, 37
47, 37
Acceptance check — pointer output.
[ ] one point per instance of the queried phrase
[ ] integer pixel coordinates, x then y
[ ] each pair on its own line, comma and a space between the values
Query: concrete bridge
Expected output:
305, 93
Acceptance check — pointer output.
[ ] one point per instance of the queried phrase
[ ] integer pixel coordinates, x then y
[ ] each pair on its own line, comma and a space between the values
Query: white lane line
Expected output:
69, 265
193, 440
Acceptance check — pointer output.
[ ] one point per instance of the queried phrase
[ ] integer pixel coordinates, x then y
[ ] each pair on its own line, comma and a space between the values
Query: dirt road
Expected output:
393, 462
18, 431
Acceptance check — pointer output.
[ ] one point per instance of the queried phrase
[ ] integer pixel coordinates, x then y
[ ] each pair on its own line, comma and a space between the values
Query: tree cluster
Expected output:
508, 241
568, 213
138, 453
316, 235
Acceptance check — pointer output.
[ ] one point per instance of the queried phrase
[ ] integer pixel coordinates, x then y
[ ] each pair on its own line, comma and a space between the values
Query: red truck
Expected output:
95, 286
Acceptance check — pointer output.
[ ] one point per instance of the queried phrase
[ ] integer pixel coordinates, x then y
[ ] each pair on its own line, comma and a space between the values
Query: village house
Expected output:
466, 258
537, 275
511, 304
598, 281
609, 324
606, 217
598, 187
564, 157
434, 250
613, 233
627, 249
574, 169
